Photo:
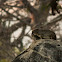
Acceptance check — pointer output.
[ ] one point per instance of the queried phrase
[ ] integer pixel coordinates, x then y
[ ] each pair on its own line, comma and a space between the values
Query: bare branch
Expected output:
29, 7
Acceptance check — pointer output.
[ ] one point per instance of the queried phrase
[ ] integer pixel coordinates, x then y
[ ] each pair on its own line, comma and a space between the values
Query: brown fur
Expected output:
43, 34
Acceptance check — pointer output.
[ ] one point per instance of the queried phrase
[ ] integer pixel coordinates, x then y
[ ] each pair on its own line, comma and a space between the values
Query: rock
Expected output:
44, 50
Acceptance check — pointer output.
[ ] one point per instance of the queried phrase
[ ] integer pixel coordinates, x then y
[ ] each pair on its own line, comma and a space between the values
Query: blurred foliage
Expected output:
0, 43
4, 60
22, 16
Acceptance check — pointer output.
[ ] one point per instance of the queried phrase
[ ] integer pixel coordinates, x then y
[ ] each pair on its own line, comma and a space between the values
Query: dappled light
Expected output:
18, 19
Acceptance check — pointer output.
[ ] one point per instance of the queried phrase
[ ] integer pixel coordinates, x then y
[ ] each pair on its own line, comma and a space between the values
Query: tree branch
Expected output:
29, 7
53, 22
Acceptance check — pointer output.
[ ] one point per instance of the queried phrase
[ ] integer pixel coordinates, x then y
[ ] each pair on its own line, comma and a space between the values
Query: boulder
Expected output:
43, 50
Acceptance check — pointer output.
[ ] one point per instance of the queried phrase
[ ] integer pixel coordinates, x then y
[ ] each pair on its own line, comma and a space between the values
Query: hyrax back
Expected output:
43, 34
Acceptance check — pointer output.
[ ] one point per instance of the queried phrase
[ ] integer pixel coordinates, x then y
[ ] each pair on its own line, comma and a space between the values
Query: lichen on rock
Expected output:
44, 50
